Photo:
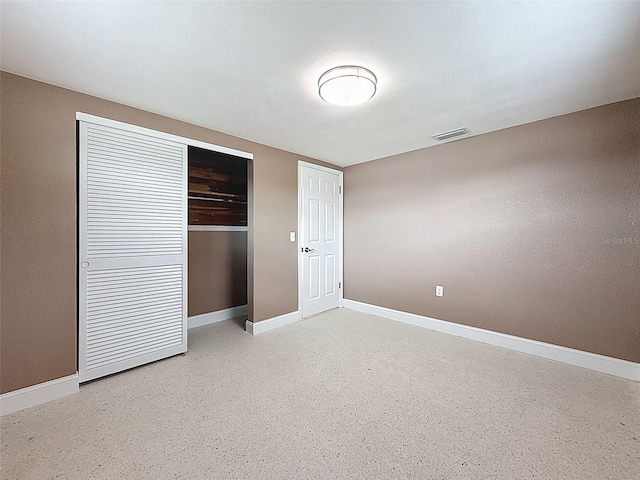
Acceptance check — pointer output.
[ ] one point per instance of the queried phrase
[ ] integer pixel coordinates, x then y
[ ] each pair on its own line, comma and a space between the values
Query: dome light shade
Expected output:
347, 85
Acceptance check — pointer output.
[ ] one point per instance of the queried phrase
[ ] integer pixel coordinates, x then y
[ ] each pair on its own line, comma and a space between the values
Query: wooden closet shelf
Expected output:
208, 175
221, 200
216, 219
208, 194
208, 189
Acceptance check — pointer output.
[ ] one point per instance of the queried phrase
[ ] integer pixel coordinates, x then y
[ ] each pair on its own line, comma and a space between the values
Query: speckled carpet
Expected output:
341, 395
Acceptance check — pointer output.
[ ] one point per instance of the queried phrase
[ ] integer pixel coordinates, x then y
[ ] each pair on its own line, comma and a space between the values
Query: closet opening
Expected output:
218, 193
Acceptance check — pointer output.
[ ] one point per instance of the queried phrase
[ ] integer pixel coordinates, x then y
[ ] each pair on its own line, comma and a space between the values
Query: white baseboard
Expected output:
36, 394
217, 316
272, 323
579, 358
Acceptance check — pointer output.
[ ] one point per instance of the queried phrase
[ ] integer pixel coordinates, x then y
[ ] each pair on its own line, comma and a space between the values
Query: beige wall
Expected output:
217, 271
520, 226
38, 217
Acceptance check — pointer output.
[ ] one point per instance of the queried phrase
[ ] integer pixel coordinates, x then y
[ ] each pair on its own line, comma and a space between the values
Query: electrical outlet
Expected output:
439, 291
292, 236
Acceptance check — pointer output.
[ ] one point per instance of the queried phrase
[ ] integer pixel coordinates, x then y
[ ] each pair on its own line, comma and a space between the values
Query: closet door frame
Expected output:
82, 229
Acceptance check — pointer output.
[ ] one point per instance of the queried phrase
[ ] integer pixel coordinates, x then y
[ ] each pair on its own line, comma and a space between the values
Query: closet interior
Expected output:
217, 238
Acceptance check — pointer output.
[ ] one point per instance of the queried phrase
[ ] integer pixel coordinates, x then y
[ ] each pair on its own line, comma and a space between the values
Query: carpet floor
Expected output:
340, 395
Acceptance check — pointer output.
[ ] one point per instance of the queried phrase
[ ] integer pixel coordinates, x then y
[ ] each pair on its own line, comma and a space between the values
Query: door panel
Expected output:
314, 220
314, 277
132, 240
320, 239
330, 222
330, 274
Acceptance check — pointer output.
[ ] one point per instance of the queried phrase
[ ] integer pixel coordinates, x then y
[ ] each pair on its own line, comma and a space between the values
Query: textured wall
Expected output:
533, 231
217, 271
38, 215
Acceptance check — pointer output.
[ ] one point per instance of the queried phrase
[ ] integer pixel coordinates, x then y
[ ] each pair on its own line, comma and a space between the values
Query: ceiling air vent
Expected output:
450, 134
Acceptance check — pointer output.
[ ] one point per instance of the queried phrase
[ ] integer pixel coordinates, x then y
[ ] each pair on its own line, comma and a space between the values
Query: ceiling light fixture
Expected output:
347, 85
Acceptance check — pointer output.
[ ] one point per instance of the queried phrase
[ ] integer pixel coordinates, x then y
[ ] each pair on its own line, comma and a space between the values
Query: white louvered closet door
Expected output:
133, 249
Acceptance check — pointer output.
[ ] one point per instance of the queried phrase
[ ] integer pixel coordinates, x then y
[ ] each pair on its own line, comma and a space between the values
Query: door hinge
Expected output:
339, 284
340, 189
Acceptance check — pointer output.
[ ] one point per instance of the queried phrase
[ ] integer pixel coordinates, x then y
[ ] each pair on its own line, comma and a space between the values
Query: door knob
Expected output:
84, 264
307, 249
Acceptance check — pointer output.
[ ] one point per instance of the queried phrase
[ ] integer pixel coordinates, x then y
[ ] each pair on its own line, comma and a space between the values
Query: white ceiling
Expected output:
251, 68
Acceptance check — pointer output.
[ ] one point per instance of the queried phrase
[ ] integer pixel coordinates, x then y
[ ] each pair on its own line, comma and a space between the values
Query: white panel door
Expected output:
320, 239
132, 249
